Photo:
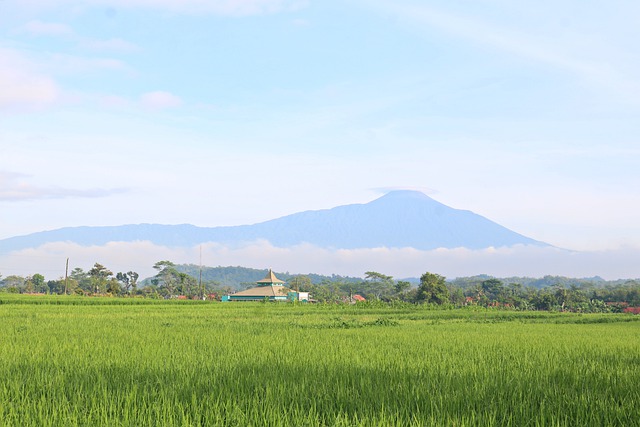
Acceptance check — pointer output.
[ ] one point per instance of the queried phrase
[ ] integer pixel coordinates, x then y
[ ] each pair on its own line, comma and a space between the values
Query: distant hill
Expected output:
398, 219
236, 277
540, 282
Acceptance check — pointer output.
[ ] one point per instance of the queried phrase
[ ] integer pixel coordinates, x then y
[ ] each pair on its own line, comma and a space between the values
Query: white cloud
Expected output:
160, 100
400, 263
27, 83
14, 187
39, 28
22, 86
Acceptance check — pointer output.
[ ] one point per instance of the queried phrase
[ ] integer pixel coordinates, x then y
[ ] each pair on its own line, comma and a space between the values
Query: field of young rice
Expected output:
64, 362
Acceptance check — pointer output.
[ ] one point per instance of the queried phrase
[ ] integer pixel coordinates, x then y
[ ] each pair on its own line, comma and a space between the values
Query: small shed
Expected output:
299, 296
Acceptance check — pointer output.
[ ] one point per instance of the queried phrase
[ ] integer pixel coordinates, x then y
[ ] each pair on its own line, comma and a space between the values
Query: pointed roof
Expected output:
270, 279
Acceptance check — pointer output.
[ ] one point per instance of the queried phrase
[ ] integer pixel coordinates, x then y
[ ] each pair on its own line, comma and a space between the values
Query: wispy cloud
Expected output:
588, 62
39, 28
159, 100
218, 7
73, 64
55, 29
15, 187
113, 45
29, 82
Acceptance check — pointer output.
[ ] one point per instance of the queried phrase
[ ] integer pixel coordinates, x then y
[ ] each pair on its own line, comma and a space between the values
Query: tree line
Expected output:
489, 292
99, 280
171, 281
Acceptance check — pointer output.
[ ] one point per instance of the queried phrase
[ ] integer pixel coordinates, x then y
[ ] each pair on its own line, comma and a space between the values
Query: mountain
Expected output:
398, 219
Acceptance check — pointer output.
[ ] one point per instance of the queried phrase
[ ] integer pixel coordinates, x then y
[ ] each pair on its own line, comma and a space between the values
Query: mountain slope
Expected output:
398, 219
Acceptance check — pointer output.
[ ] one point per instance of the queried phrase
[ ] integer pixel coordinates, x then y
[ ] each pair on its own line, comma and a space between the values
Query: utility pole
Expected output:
200, 280
66, 277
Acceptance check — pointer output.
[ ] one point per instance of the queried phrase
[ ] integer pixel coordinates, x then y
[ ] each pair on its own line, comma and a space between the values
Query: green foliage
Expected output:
99, 276
237, 277
14, 284
300, 283
376, 285
128, 281
401, 287
38, 282
433, 289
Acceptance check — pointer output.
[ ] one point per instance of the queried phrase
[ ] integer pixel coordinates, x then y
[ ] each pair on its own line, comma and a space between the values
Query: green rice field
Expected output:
67, 361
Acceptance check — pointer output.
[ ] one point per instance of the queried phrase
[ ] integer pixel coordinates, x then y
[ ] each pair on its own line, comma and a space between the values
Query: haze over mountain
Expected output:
399, 219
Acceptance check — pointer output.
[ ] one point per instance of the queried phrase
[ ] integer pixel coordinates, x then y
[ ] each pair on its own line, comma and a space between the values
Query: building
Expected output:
300, 296
270, 288
358, 298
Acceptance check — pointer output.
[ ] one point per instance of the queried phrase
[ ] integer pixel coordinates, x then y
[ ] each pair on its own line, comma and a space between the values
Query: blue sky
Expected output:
231, 112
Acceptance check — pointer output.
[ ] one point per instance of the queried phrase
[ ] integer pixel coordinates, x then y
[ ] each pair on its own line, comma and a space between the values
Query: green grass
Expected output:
132, 363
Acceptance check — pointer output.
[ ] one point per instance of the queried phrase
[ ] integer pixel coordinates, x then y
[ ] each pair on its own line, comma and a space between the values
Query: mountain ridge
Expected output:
398, 219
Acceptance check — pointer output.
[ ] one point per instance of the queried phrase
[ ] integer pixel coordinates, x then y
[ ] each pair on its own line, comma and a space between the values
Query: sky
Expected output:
229, 112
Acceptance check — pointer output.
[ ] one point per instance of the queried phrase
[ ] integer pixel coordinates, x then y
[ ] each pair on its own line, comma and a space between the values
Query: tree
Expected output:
28, 285
36, 283
56, 286
377, 284
129, 281
39, 283
329, 291
544, 300
515, 296
124, 280
14, 284
561, 295
186, 285
456, 295
133, 281
493, 289
401, 287
113, 287
79, 281
300, 281
167, 277
99, 275
432, 289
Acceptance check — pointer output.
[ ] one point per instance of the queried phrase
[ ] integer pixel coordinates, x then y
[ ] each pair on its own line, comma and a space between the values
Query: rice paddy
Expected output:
107, 362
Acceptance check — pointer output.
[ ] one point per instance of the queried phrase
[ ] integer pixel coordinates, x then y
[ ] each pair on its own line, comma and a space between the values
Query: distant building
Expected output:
270, 287
302, 296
